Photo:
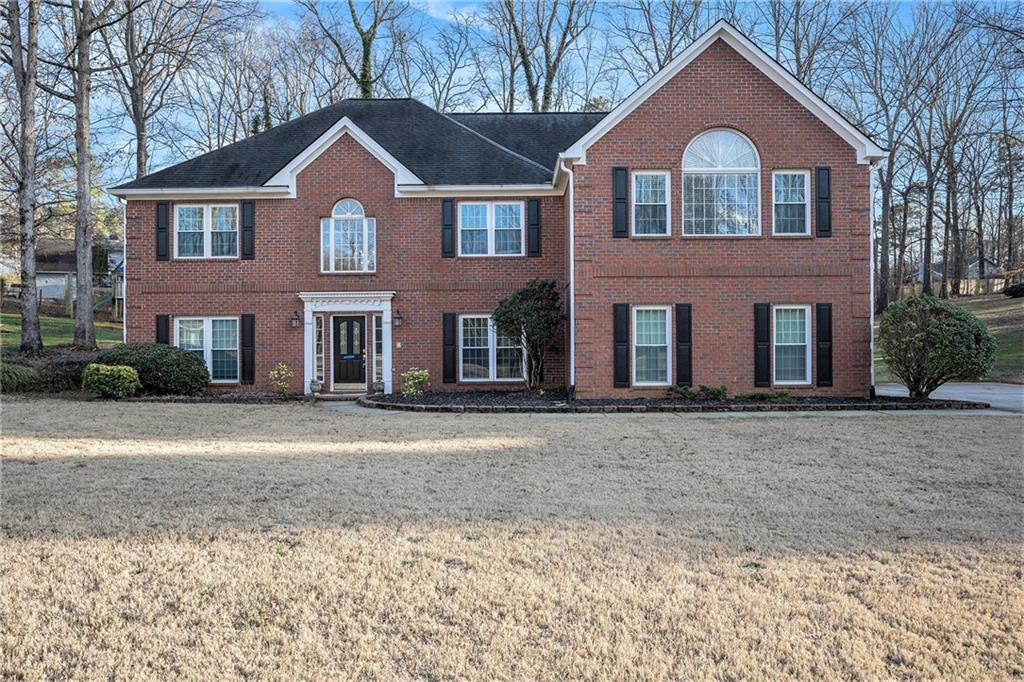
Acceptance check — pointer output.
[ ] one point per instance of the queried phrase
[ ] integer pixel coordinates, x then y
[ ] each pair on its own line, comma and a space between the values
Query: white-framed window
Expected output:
491, 228
792, 336
485, 354
791, 213
205, 231
348, 239
652, 213
318, 324
215, 340
652, 361
721, 185
378, 348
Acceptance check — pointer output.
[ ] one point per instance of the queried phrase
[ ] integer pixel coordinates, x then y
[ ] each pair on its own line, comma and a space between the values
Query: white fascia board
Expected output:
867, 151
458, 191
164, 193
287, 175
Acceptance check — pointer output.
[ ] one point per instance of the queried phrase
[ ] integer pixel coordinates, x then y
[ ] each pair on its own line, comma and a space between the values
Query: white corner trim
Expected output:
867, 150
287, 175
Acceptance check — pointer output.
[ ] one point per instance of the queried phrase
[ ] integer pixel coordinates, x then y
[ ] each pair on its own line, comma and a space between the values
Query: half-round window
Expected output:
348, 208
721, 185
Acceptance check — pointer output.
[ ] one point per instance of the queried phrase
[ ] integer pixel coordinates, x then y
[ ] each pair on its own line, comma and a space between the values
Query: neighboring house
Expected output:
714, 228
992, 270
55, 262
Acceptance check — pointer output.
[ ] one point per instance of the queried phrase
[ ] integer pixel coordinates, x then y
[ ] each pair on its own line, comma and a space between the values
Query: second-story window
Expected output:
206, 231
792, 212
651, 203
721, 185
348, 239
490, 228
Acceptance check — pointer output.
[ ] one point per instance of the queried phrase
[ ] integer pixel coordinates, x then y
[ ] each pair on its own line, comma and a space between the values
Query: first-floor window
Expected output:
792, 344
378, 347
215, 340
650, 345
319, 328
486, 353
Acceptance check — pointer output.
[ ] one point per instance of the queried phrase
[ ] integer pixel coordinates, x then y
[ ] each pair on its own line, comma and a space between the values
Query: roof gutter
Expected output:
142, 193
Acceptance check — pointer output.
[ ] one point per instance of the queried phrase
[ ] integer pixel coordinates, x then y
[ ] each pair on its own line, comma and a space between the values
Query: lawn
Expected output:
211, 541
57, 331
1005, 319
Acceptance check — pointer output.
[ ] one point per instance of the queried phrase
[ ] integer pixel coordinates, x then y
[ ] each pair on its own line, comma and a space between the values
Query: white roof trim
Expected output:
287, 175
456, 191
140, 194
867, 151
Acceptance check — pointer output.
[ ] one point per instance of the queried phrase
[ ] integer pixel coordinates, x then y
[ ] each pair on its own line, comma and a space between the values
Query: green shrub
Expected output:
281, 378
928, 341
773, 397
63, 374
111, 381
712, 392
18, 378
163, 370
702, 392
1014, 290
415, 381
533, 314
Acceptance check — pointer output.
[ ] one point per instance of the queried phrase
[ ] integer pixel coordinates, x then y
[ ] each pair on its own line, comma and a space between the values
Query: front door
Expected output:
349, 335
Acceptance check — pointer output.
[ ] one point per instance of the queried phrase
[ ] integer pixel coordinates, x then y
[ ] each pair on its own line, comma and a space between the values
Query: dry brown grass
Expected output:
208, 541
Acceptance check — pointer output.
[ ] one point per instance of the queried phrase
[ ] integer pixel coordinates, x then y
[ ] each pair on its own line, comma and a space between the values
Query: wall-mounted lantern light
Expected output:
398, 319
296, 320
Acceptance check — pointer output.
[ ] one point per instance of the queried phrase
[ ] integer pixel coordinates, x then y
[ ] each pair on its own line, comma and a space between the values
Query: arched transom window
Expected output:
721, 185
348, 239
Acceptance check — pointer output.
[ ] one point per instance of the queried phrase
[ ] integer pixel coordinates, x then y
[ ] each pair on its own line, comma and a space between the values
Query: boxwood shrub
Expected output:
111, 381
162, 370
928, 341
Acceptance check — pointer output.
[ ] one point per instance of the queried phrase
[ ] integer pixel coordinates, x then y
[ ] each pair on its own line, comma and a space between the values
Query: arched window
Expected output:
721, 185
348, 239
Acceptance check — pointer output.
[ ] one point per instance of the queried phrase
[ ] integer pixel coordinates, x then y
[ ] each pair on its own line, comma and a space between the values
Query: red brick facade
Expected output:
720, 277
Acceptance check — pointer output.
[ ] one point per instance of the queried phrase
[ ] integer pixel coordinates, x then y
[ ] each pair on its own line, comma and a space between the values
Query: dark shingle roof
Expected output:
539, 137
439, 149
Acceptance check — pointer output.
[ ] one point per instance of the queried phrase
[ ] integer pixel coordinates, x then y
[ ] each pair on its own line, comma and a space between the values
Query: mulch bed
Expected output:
521, 401
246, 397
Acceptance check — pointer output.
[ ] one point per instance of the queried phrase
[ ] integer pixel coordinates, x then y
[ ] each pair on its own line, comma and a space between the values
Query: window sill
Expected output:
192, 259
793, 384
649, 385
792, 235
721, 236
651, 236
492, 255
347, 272
492, 381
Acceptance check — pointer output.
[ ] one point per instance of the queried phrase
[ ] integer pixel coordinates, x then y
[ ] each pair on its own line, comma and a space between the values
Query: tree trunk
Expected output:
883, 270
979, 215
141, 134
952, 189
929, 225
25, 73
944, 289
366, 69
85, 330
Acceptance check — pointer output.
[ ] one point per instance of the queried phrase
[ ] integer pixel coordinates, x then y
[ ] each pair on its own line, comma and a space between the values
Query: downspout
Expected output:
124, 269
572, 279
871, 260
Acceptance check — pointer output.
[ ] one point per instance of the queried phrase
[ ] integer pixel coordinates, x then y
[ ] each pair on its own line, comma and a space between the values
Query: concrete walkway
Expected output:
1007, 397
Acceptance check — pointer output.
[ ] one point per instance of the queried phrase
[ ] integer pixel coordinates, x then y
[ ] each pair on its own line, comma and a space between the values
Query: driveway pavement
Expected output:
1008, 397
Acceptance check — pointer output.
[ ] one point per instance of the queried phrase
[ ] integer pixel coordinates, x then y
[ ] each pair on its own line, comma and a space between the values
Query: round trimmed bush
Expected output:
111, 381
162, 370
18, 378
928, 341
1014, 290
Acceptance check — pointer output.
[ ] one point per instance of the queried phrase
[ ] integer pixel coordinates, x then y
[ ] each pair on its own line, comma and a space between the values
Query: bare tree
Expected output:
22, 52
496, 60
154, 42
652, 32
543, 33
446, 63
374, 26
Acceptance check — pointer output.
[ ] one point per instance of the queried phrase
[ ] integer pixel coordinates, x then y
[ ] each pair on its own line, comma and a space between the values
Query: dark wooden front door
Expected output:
349, 350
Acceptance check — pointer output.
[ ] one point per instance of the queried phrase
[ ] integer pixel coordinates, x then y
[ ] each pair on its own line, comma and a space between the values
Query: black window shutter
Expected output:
447, 228
621, 336
163, 329
248, 349
823, 200
684, 345
162, 220
449, 348
533, 228
248, 227
824, 324
762, 345
620, 202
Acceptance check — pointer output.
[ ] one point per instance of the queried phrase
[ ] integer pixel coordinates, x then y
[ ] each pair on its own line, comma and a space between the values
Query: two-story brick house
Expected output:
714, 228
